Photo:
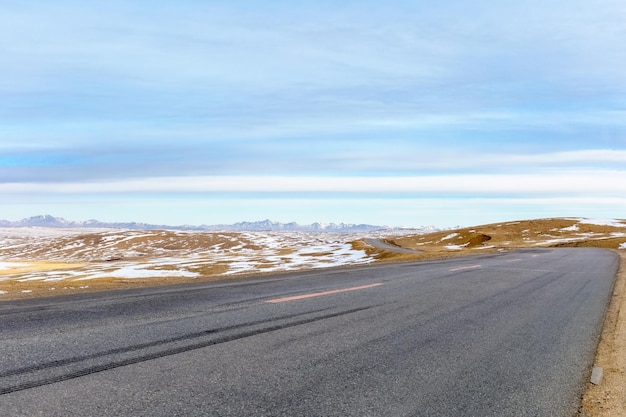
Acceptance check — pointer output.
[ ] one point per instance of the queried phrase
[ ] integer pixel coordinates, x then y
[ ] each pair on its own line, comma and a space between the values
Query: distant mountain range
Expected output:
264, 225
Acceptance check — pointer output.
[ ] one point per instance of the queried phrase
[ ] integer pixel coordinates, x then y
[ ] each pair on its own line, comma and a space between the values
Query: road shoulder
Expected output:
608, 399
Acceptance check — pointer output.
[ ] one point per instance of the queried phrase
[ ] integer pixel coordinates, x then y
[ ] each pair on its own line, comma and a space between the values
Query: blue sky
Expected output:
398, 113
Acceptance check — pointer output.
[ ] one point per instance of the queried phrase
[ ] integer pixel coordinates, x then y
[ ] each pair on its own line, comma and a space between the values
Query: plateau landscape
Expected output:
68, 261
65, 257
314, 208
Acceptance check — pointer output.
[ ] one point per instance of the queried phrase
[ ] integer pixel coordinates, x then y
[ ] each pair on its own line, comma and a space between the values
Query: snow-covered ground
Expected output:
41, 255
8, 265
600, 222
97, 254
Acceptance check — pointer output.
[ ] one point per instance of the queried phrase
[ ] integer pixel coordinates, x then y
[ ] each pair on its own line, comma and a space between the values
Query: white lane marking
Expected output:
318, 294
465, 267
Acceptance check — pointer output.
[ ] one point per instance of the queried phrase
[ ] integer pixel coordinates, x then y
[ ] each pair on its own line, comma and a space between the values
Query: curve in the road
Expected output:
509, 334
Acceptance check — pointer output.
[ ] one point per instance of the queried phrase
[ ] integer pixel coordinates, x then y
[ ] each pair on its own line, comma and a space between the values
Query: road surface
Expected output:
379, 244
508, 334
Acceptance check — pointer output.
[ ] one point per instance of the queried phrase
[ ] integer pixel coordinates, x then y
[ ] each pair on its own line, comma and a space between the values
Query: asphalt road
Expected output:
377, 243
497, 335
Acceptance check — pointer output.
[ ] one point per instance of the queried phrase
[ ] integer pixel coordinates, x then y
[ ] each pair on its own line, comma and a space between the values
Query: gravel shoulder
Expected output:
608, 399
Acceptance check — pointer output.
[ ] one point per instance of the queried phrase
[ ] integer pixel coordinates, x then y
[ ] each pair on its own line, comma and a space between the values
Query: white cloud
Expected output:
585, 156
557, 183
333, 95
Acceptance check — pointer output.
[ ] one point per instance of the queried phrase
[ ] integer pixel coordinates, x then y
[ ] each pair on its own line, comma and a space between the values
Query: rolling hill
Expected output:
44, 259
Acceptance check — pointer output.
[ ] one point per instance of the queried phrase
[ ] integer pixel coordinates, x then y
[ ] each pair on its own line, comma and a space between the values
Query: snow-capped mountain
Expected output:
268, 225
264, 225
59, 222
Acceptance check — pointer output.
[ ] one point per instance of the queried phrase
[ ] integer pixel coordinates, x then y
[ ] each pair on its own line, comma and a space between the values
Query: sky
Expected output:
399, 113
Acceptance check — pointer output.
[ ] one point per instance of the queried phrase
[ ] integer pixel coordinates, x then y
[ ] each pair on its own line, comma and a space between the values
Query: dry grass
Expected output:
556, 232
382, 255
78, 253
118, 245
32, 289
32, 266
39, 288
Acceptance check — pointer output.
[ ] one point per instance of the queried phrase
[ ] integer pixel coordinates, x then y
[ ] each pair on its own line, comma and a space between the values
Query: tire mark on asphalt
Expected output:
127, 349
147, 357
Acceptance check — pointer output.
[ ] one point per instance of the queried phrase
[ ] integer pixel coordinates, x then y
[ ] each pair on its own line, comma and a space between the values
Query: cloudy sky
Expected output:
397, 112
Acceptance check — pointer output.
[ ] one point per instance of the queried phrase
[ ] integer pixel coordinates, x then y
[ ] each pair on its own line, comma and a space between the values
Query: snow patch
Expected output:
140, 271
601, 222
456, 247
622, 246
450, 236
158, 254
9, 265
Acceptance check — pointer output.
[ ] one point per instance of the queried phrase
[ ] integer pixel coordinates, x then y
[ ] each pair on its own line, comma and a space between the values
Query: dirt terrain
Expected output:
42, 262
559, 232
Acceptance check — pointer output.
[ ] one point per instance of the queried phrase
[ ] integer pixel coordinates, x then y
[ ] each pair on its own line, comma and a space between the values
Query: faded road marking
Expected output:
465, 267
318, 294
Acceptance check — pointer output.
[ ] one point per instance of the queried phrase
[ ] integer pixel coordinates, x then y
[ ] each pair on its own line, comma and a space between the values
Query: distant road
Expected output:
379, 244
496, 335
